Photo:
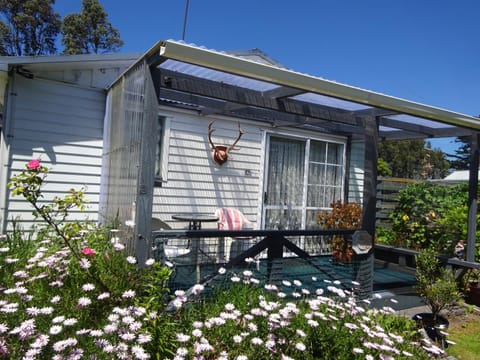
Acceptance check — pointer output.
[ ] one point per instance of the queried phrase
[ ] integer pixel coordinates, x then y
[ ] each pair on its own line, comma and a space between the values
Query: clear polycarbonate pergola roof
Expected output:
218, 76
241, 85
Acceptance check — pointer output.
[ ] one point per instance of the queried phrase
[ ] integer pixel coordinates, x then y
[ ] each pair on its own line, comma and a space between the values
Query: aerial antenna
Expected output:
185, 20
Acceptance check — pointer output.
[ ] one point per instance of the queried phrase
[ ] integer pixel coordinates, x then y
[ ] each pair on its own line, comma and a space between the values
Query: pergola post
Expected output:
472, 198
146, 171
370, 173
364, 267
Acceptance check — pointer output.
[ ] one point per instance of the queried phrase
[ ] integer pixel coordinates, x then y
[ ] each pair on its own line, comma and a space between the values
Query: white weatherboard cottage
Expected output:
135, 131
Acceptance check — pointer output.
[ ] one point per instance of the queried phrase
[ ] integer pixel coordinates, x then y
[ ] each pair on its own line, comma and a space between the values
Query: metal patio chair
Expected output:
168, 249
232, 219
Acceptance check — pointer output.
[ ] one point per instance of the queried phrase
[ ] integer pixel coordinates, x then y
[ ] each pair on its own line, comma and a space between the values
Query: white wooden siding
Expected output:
62, 125
356, 173
99, 76
195, 182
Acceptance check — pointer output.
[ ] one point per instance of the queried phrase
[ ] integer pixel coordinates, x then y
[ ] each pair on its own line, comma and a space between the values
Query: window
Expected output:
303, 177
161, 151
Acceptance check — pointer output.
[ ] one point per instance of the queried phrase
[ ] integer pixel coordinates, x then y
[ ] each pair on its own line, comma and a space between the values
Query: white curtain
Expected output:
284, 202
284, 194
285, 173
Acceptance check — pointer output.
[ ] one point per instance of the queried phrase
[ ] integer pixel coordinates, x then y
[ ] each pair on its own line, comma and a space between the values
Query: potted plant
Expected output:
438, 287
343, 216
472, 286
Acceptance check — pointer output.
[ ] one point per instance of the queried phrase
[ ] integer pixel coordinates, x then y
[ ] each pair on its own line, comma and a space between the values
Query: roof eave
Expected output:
55, 59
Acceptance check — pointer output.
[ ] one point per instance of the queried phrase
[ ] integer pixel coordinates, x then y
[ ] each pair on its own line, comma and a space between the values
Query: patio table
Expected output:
195, 221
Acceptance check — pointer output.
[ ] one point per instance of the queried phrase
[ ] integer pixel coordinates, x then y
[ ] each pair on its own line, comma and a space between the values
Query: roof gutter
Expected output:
242, 67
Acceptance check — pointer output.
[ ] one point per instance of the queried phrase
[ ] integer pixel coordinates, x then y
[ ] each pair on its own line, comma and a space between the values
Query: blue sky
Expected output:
421, 50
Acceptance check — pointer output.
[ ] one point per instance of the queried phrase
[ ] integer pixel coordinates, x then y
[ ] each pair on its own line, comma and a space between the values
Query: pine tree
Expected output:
89, 32
28, 27
461, 158
413, 159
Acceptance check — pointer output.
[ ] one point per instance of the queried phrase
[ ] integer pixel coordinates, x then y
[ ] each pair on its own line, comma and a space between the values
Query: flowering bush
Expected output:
74, 294
246, 321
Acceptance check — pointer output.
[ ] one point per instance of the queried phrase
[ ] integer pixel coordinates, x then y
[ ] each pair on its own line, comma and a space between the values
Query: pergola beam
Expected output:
397, 124
241, 67
208, 106
167, 79
435, 133
399, 135
226, 99
282, 92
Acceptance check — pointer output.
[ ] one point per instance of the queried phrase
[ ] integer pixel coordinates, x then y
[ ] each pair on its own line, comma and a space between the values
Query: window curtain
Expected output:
285, 173
284, 194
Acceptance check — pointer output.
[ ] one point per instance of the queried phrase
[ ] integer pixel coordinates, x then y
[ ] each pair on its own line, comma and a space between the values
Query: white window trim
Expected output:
165, 150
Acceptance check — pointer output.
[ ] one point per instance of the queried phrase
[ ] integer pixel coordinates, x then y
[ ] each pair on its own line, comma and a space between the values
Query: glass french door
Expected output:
303, 176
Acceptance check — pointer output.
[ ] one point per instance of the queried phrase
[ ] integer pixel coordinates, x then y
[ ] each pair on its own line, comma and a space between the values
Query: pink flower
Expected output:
33, 164
88, 251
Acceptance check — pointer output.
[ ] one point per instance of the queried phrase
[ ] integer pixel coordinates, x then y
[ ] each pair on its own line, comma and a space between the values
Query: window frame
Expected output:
307, 139
161, 149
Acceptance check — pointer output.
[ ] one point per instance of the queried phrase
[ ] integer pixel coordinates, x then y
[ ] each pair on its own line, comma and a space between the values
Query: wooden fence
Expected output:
387, 195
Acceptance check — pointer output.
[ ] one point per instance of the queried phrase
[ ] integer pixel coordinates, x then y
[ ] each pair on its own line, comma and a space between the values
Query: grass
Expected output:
466, 335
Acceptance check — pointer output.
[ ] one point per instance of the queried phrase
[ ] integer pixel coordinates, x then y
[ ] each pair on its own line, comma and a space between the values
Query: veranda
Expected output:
156, 128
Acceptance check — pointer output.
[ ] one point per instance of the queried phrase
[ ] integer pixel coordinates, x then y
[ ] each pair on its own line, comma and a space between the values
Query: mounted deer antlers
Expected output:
220, 152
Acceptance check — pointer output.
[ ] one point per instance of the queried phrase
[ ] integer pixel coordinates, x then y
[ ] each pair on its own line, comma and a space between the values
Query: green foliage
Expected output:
461, 157
436, 165
28, 27
434, 283
154, 297
386, 235
467, 340
413, 159
28, 184
429, 215
89, 32
382, 168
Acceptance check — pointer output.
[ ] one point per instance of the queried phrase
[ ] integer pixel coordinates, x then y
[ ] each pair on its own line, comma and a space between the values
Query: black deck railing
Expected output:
406, 257
271, 245
273, 241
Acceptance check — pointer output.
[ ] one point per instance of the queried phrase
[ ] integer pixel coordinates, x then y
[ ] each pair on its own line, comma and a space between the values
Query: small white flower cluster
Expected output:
284, 328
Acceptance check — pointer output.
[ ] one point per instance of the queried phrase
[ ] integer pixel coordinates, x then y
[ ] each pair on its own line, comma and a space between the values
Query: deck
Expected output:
277, 255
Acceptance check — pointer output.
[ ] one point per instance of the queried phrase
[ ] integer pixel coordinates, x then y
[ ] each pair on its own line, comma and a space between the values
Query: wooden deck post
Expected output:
364, 263
472, 198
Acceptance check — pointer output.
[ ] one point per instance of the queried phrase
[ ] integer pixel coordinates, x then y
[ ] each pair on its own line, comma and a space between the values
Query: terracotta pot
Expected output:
433, 329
